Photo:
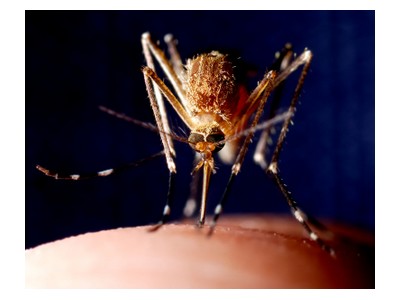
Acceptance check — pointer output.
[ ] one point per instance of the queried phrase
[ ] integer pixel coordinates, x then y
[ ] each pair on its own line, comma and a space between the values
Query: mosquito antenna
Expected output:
145, 125
124, 117
264, 125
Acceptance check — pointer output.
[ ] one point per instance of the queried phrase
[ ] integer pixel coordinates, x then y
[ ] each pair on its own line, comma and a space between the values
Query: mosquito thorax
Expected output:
210, 85
207, 139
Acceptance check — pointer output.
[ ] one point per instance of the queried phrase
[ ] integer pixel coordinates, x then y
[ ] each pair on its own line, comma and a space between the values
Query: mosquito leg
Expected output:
157, 105
159, 99
262, 92
103, 173
168, 153
305, 59
180, 110
156, 89
150, 47
282, 60
167, 147
174, 54
272, 169
219, 208
299, 214
167, 207
193, 200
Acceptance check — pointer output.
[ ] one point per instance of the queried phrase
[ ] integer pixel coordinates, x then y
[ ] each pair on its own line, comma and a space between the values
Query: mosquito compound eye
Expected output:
195, 138
200, 142
216, 138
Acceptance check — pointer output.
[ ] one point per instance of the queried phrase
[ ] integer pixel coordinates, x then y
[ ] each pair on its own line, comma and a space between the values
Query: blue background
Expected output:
76, 61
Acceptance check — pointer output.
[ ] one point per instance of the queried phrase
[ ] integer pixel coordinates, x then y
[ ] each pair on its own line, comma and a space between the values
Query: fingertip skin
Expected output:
237, 255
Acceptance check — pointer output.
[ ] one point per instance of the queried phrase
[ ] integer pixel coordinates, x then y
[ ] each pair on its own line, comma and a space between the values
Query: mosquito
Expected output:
222, 118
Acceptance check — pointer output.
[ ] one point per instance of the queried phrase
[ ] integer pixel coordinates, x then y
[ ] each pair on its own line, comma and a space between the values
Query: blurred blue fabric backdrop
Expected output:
76, 61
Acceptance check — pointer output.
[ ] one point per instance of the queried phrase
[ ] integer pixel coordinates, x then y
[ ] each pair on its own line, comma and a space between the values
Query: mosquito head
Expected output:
207, 139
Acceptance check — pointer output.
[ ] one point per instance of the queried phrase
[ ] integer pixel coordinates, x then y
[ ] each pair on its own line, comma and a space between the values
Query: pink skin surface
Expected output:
250, 251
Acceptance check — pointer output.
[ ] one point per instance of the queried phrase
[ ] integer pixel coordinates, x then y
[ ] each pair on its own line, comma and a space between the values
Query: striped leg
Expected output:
262, 98
103, 173
176, 60
282, 60
167, 207
156, 89
299, 214
258, 97
272, 168
194, 198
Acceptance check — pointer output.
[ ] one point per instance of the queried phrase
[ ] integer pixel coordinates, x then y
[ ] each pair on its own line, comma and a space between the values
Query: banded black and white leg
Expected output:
193, 201
156, 90
103, 173
257, 99
272, 168
282, 60
284, 57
